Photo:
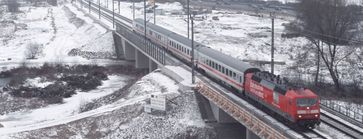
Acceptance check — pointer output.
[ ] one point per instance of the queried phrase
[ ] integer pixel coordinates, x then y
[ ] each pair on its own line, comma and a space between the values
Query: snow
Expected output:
38, 30
341, 120
246, 37
355, 2
55, 112
51, 28
353, 110
22, 120
333, 133
184, 74
232, 34
37, 82
119, 119
176, 118
149, 84
170, 6
69, 37
62, 35
100, 44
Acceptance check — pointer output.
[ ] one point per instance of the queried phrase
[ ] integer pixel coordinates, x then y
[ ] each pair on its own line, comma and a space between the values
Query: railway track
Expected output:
341, 126
95, 7
313, 133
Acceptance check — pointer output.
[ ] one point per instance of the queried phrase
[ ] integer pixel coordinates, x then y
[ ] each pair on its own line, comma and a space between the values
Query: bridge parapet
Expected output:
243, 116
154, 51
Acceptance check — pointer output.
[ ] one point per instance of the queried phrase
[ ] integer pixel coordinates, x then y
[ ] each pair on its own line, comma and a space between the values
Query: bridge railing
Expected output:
249, 120
155, 51
355, 114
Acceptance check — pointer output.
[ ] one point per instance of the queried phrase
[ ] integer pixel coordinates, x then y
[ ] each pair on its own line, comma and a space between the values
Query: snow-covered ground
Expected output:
71, 106
57, 30
37, 82
247, 37
350, 109
356, 2
125, 118
231, 34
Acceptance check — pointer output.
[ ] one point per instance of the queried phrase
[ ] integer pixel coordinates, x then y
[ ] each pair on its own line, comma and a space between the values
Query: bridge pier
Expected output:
129, 51
220, 115
152, 65
142, 61
251, 135
118, 46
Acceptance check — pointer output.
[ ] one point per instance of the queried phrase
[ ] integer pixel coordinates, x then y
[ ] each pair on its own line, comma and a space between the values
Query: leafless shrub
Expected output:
32, 50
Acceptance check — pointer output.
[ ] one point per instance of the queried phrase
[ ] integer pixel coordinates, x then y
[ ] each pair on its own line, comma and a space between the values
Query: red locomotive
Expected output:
299, 106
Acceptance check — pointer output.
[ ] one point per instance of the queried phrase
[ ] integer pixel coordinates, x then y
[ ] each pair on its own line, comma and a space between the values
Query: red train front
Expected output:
300, 106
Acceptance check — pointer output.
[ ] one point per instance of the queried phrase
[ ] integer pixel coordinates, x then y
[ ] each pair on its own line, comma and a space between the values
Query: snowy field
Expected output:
56, 30
61, 33
248, 37
356, 2
56, 112
125, 118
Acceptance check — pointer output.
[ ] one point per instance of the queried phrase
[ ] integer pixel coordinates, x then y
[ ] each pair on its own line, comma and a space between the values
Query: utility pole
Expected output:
133, 9
154, 13
145, 21
188, 14
193, 74
99, 9
119, 11
113, 13
272, 14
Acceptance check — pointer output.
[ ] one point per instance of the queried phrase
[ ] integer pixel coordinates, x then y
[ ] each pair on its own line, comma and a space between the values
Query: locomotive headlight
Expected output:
307, 107
299, 116
316, 115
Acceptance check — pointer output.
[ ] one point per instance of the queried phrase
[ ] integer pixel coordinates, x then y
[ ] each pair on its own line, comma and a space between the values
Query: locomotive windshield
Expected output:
305, 102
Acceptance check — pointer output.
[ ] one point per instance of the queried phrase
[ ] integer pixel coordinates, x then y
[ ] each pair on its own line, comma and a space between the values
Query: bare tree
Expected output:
331, 22
32, 50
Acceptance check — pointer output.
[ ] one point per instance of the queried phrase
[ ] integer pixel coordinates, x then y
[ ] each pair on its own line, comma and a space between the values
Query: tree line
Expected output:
331, 26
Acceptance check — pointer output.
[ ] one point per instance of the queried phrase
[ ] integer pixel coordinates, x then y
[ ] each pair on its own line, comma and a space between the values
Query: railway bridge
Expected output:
225, 106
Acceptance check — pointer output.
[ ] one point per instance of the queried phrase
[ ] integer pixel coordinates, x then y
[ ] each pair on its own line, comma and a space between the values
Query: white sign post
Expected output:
158, 102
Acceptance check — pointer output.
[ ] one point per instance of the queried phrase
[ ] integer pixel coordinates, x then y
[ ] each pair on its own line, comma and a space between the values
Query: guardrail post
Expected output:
346, 111
164, 57
113, 13
99, 9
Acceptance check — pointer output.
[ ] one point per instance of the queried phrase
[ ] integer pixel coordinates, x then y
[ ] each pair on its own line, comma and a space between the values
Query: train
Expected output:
299, 106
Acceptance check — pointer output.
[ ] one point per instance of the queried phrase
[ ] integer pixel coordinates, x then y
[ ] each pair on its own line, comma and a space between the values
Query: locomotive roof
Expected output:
214, 54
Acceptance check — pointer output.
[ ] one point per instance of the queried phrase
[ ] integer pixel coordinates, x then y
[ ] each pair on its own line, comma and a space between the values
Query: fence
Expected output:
153, 50
356, 114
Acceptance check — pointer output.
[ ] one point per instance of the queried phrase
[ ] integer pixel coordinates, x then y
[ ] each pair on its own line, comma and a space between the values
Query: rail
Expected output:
353, 114
153, 50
